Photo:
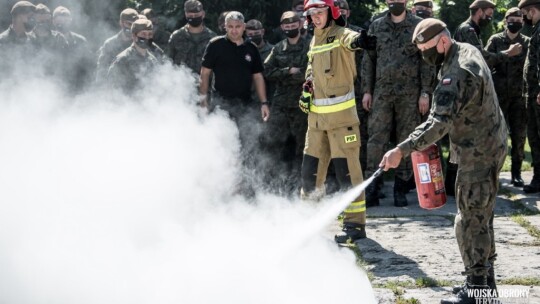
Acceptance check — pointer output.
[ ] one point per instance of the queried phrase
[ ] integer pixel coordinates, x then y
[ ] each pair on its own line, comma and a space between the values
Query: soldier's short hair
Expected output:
61, 11
234, 16
42, 9
22, 7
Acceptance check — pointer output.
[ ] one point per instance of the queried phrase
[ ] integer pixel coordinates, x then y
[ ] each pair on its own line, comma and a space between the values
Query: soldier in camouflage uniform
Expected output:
255, 34
396, 83
423, 8
188, 43
469, 32
116, 44
161, 36
22, 14
135, 62
508, 79
78, 62
531, 15
478, 144
286, 67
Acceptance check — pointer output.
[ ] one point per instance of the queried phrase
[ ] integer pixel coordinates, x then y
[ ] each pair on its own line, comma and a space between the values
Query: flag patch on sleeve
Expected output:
447, 81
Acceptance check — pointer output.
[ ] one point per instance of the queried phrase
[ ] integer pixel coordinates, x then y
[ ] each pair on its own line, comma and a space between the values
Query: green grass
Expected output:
523, 222
401, 300
526, 166
525, 281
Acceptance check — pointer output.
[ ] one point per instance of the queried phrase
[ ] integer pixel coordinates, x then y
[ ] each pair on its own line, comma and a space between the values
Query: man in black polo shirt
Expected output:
236, 65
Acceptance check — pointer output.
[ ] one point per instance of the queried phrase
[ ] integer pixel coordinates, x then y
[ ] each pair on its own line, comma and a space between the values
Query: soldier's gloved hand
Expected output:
364, 41
307, 96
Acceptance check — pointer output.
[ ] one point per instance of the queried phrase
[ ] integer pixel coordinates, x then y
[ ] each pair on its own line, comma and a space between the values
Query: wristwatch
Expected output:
425, 95
264, 103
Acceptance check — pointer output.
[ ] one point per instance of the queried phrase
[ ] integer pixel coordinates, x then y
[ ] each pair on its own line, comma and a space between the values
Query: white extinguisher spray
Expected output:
429, 178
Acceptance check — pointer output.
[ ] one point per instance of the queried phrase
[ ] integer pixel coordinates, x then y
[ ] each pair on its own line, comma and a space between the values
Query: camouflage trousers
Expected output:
364, 137
386, 109
323, 146
283, 144
533, 133
475, 199
515, 114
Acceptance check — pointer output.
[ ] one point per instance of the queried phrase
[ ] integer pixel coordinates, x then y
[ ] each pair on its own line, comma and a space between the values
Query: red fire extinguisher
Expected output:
429, 178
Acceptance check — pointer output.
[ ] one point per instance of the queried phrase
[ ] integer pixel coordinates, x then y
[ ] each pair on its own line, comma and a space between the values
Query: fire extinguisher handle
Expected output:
378, 173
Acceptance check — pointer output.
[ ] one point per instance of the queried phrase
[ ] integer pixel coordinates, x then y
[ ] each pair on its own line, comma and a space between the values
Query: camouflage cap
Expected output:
297, 2
61, 11
425, 3
513, 12
193, 6
427, 29
22, 7
148, 12
254, 25
482, 4
525, 3
342, 4
289, 17
129, 14
42, 9
141, 25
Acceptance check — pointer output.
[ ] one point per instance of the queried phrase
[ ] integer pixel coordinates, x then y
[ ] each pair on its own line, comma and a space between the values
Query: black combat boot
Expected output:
400, 189
491, 281
475, 288
517, 181
372, 195
534, 186
351, 233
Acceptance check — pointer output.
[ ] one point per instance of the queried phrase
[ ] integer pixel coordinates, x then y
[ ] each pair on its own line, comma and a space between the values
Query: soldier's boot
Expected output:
400, 189
534, 186
491, 282
457, 288
372, 195
450, 179
517, 181
350, 233
474, 289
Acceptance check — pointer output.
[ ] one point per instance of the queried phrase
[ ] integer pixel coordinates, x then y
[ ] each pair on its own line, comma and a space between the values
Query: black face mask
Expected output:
396, 9
527, 21
432, 57
143, 43
30, 24
127, 31
43, 26
514, 27
257, 39
485, 21
291, 33
62, 28
423, 14
195, 22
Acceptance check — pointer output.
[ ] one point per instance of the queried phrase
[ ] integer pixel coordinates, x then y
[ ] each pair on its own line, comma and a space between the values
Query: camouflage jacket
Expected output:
161, 37
187, 48
8, 37
396, 66
129, 67
55, 42
469, 32
508, 73
358, 60
276, 69
465, 106
107, 53
265, 50
531, 86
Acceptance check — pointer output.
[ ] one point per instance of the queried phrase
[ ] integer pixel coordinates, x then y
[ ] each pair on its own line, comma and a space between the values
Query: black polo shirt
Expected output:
233, 66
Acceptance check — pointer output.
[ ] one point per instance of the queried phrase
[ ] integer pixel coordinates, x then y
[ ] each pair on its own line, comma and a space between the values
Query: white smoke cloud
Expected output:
106, 198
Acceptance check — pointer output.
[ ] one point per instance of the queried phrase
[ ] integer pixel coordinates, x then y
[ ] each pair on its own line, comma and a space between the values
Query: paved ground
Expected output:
408, 244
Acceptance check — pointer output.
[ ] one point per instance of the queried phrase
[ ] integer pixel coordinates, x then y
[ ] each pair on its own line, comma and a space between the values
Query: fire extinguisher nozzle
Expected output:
378, 173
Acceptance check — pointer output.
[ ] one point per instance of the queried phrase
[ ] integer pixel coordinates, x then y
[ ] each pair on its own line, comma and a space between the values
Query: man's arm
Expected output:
258, 80
204, 84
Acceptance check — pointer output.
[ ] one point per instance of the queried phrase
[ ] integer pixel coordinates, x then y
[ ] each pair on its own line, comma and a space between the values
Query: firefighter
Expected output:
328, 98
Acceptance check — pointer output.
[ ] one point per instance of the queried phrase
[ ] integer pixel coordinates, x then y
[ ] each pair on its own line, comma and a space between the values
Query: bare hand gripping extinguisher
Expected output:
429, 177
